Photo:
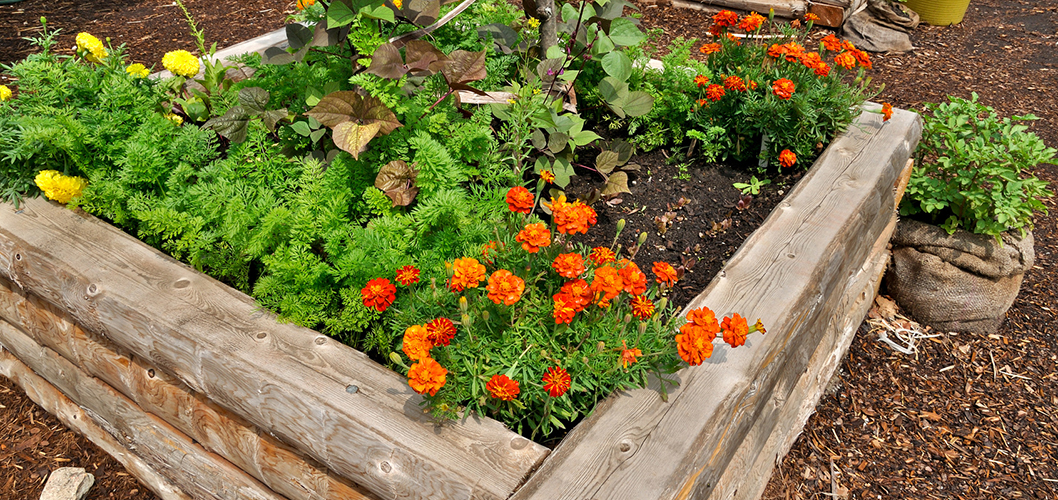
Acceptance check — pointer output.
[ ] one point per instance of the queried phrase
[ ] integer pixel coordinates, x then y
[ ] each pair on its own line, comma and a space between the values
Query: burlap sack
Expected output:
956, 283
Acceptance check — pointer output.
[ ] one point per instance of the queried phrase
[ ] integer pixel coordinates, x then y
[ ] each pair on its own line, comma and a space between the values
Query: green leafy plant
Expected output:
973, 170
753, 186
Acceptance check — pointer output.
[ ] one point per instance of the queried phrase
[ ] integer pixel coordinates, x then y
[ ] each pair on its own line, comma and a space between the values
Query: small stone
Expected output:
67, 483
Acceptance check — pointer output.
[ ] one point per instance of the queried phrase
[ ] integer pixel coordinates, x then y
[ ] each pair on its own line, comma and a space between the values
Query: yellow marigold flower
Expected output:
532, 23
59, 187
91, 47
137, 70
181, 62
175, 118
398, 4
5, 93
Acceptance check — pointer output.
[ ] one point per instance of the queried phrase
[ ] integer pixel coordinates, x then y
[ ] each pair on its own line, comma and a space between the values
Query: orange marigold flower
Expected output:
710, 48
794, 51
572, 218
427, 376
628, 356
468, 272
703, 102
642, 307
734, 39
734, 83
714, 92
408, 275
694, 344
847, 45
556, 381
783, 88
534, 237
489, 251
776, 50
440, 331
701, 81
725, 18
417, 343
379, 293
569, 265
810, 59
751, 22
565, 308
845, 60
664, 273
503, 388
704, 317
811, 18
796, 23
787, 158
635, 282
520, 200
304, 4
606, 285
752, 85
714, 30
887, 111
580, 291
831, 43
602, 255
822, 69
547, 176
862, 57
735, 330
504, 287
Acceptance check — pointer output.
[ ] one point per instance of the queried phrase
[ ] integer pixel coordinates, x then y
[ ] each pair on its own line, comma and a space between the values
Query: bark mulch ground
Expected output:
964, 417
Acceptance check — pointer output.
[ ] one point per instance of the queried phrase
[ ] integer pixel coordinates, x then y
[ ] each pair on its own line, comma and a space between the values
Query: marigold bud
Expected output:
642, 327
466, 320
642, 238
601, 346
663, 303
463, 304
628, 318
485, 315
621, 226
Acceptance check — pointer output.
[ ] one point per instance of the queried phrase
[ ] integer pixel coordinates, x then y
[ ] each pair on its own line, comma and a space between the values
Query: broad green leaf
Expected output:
555, 52
563, 171
301, 128
606, 161
538, 139
339, 14
637, 103
378, 12
617, 65
625, 33
271, 118
601, 45
585, 137
353, 138
501, 34
317, 134
276, 55
617, 183
568, 75
232, 125
569, 12
254, 99
541, 164
298, 35
557, 142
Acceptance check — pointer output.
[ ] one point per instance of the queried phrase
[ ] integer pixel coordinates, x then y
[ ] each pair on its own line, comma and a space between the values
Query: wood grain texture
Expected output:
288, 381
172, 454
52, 401
790, 9
792, 273
218, 431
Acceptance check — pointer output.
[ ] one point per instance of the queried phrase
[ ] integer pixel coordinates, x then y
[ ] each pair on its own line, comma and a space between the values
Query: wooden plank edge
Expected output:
901, 183
748, 473
386, 449
174, 455
278, 466
72, 416
789, 9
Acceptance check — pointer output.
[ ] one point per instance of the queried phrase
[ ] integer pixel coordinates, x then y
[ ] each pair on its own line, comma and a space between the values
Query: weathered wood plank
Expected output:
791, 272
72, 416
790, 9
288, 381
781, 421
276, 465
172, 454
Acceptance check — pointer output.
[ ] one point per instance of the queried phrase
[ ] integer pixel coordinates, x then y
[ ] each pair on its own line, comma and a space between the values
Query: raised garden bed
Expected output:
215, 399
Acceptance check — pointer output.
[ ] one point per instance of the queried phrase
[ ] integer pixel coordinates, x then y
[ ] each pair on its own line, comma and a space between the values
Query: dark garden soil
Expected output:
965, 417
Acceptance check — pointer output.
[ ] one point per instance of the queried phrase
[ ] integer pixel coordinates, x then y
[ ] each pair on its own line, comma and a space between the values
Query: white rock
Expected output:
67, 483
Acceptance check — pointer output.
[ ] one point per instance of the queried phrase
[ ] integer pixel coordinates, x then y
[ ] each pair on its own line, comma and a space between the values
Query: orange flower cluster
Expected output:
783, 88
602, 255
504, 287
831, 43
572, 218
887, 111
571, 299
787, 158
520, 200
417, 343
407, 275
635, 282
751, 22
714, 92
502, 387
556, 381
735, 330
440, 331
701, 81
642, 307
845, 60
467, 273
379, 293
628, 356
607, 285
710, 48
427, 376
734, 84
725, 18
694, 343
811, 18
569, 265
664, 273
534, 237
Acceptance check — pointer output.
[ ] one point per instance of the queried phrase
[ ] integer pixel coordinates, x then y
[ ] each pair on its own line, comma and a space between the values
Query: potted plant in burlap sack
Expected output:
962, 250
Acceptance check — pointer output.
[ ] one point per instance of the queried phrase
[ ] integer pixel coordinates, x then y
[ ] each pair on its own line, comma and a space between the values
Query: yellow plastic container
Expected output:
939, 12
